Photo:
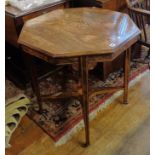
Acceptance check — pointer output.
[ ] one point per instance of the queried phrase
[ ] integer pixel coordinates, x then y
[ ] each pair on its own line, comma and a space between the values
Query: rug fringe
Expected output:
69, 134
94, 113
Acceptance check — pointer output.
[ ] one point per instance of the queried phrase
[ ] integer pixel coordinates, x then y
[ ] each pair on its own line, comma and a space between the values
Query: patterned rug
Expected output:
60, 120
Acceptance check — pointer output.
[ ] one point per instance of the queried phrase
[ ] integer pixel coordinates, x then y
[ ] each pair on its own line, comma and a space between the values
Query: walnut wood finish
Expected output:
84, 35
108, 67
126, 74
76, 32
117, 5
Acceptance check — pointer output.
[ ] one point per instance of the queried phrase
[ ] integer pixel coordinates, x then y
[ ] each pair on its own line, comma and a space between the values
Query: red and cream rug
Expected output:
60, 120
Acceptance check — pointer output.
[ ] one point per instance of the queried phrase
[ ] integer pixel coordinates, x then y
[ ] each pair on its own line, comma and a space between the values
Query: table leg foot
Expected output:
125, 102
86, 144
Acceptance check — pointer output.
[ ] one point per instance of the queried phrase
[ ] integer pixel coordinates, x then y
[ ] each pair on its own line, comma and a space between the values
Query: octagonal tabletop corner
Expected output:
80, 31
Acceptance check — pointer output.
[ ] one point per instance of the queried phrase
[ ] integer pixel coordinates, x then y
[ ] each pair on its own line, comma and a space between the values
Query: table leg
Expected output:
126, 75
34, 82
85, 98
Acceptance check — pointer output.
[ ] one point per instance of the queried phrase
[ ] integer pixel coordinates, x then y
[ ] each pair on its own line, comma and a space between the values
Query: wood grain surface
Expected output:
76, 32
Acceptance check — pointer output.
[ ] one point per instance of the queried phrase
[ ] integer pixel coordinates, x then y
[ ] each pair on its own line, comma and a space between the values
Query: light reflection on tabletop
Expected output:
76, 31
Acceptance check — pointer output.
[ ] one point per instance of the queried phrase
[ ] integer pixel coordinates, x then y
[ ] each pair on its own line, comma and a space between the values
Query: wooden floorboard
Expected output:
118, 130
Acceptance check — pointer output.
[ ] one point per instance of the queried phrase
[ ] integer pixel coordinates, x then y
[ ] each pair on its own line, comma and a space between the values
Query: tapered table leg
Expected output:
34, 82
126, 75
85, 104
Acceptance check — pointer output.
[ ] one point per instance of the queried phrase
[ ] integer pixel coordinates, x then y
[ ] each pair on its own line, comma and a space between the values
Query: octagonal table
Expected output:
81, 36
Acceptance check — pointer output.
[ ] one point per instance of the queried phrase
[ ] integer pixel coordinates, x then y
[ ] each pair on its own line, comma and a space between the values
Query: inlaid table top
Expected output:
76, 32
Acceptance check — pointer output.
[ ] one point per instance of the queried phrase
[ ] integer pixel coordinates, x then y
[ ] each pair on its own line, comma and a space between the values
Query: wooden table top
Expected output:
80, 31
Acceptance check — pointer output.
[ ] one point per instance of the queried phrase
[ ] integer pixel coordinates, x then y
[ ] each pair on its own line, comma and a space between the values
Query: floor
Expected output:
118, 130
